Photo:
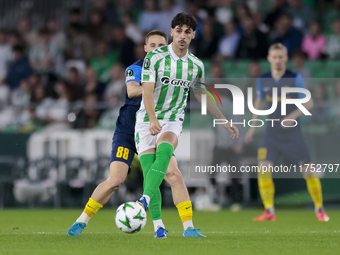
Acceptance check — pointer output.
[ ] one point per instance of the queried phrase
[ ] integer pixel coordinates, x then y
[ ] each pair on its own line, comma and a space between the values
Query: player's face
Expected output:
182, 36
154, 42
277, 59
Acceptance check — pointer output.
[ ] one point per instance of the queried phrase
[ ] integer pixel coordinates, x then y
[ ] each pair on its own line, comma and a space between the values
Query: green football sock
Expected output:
158, 169
155, 206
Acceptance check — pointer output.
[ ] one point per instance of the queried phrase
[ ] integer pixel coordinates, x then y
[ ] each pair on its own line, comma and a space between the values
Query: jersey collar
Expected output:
174, 56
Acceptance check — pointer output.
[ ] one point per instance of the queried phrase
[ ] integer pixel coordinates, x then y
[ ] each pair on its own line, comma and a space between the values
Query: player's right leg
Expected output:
267, 155
267, 190
121, 157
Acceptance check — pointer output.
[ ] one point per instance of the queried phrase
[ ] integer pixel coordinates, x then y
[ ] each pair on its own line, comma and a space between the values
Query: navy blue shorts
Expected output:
123, 150
292, 147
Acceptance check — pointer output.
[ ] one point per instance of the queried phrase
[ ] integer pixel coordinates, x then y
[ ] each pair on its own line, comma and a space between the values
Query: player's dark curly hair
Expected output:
184, 19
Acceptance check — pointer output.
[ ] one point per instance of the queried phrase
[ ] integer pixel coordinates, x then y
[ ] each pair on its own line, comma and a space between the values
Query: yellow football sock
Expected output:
314, 189
266, 187
92, 207
185, 210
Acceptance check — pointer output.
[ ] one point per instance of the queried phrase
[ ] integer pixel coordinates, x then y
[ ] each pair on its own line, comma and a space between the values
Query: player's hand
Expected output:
233, 130
248, 138
155, 127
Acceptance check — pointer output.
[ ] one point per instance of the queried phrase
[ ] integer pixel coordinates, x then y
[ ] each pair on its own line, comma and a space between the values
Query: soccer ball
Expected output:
130, 217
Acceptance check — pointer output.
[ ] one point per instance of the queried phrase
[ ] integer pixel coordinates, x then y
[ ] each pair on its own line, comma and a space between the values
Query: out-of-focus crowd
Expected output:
74, 74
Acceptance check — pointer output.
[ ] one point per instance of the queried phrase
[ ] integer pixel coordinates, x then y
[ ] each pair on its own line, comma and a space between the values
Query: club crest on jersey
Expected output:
146, 63
190, 71
175, 82
167, 68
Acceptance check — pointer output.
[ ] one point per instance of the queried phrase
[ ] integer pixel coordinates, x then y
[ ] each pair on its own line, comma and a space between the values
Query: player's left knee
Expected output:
174, 176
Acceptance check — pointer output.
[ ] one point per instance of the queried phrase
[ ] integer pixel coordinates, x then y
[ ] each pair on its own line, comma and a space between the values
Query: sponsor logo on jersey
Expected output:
175, 82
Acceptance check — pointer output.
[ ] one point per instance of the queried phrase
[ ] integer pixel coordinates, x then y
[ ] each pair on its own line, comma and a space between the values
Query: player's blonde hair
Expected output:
277, 46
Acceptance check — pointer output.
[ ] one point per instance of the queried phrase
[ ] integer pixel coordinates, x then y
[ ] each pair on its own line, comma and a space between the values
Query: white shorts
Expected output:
144, 140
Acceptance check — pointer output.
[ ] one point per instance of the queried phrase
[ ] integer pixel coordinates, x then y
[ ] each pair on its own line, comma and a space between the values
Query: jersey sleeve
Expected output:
300, 83
133, 73
203, 74
149, 71
259, 91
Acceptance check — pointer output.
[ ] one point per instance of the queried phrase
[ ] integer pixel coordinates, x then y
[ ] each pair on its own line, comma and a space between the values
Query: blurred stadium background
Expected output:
62, 69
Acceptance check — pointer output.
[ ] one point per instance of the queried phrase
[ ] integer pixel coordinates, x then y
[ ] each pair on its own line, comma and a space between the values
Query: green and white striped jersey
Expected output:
172, 77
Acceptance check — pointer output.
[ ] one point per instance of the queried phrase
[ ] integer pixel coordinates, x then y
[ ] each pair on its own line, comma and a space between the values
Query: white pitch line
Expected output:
177, 232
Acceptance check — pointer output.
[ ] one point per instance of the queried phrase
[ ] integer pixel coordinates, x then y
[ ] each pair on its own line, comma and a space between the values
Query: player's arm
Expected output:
259, 104
214, 111
148, 98
134, 89
148, 83
132, 81
299, 83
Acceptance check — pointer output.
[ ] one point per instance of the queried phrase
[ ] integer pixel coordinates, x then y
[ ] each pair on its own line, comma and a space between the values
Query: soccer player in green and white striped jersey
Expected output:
166, 78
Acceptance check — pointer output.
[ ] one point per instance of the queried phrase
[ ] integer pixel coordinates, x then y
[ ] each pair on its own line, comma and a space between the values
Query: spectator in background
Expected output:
223, 12
74, 84
321, 110
336, 104
122, 46
287, 35
229, 42
109, 117
117, 85
58, 37
13, 38
88, 116
314, 43
19, 69
55, 111
75, 18
124, 6
21, 95
45, 56
97, 27
150, 16
139, 51
206, 45
192, 8
253, 43
333, 41
277, 9
24, 28
4, 95
5, 54
131, 29
299, 58
301, 13
103, 61
92, 85
107, 10
79, 45
169, 11
254, 70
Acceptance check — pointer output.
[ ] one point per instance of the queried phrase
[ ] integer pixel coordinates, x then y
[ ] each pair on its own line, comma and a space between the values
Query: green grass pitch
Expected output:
294, 232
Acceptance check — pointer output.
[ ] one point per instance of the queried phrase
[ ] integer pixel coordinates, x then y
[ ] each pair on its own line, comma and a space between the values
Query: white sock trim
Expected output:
157, 224
84, 218
187, 224
147, 199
